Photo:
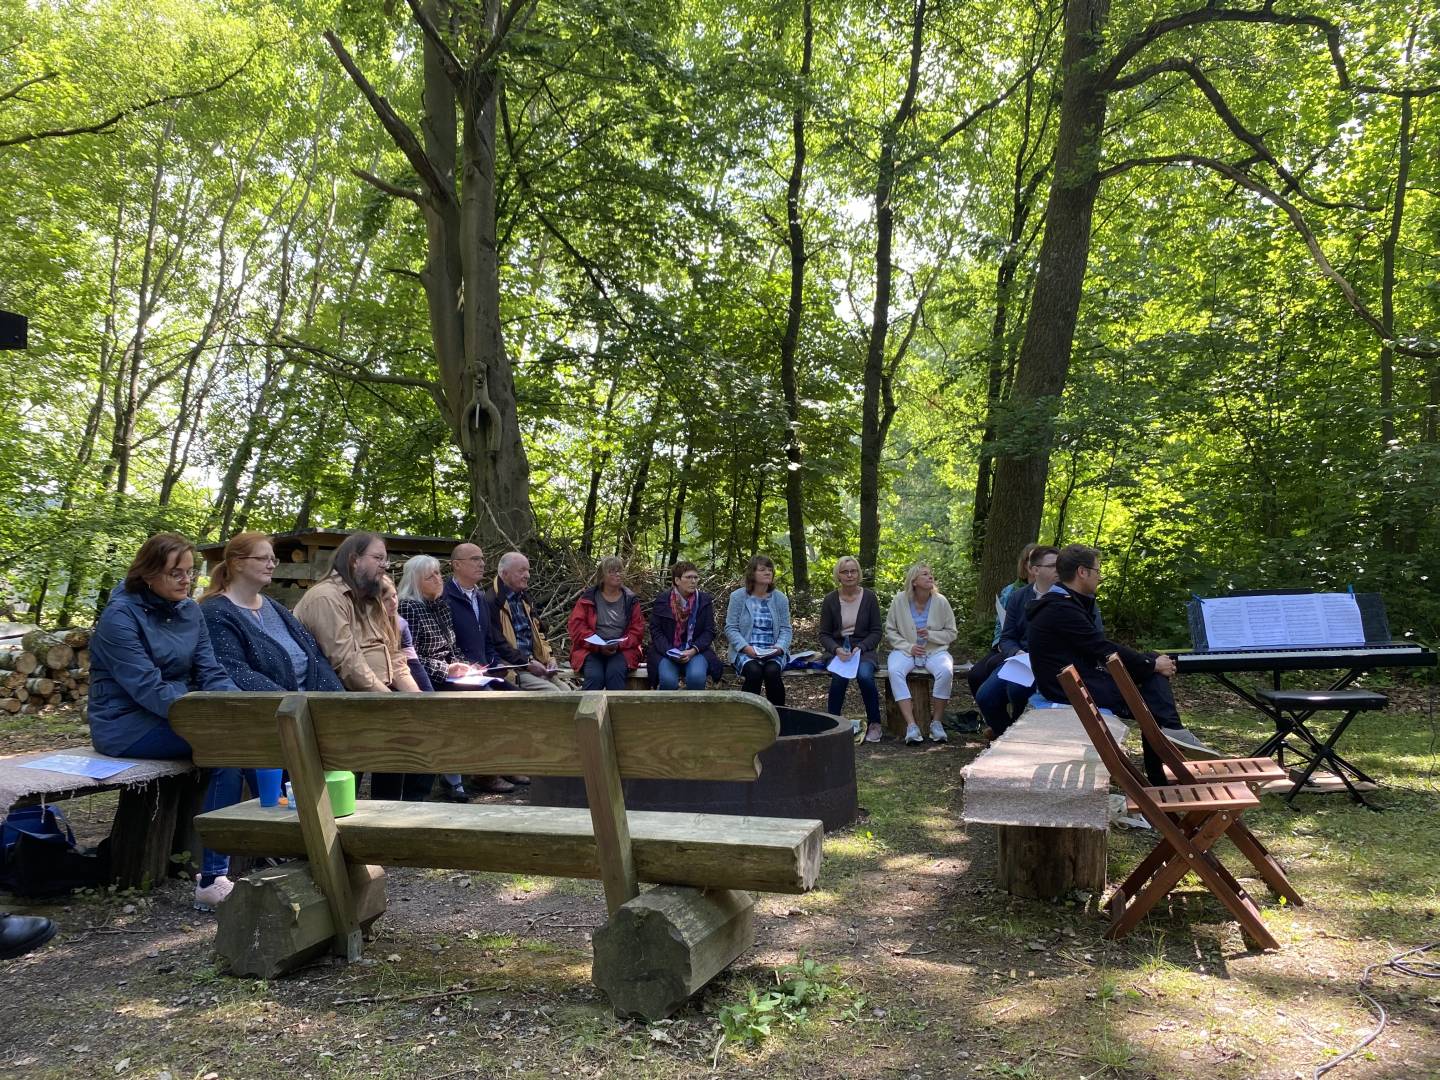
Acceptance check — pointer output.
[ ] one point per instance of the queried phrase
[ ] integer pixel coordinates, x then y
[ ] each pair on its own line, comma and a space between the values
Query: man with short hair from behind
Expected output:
516, 633
1063, 630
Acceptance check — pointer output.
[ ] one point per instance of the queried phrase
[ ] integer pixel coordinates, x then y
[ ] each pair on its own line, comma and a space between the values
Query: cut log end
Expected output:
664, 945
276, 920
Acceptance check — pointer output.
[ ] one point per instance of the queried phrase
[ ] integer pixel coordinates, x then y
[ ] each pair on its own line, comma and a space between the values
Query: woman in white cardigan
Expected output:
920, 627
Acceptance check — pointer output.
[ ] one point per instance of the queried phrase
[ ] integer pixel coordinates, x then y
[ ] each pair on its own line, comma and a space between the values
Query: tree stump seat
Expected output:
657, 948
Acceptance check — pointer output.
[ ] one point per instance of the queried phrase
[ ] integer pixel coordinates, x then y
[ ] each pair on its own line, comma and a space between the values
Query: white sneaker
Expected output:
912, 734
937, 732
209, 897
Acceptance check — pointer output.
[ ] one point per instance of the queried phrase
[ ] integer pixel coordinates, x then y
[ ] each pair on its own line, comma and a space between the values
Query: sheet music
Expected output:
846, 669
1257, 622
1342, 618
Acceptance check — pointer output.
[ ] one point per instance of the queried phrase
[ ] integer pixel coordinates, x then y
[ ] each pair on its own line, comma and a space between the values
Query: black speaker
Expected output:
13, 330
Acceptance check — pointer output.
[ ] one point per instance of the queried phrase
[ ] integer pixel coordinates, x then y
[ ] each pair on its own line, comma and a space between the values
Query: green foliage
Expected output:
1223, 427
800, 988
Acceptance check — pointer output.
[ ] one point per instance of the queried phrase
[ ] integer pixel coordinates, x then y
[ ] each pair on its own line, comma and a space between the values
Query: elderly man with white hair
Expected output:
516, 634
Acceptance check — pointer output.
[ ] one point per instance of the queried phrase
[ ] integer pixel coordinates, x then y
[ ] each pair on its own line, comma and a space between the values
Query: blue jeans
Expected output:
603, 672
865, 678
1001, 701
161, 743
697, 671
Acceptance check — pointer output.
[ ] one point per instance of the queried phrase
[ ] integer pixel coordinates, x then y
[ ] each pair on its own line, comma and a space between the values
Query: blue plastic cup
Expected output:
269, 782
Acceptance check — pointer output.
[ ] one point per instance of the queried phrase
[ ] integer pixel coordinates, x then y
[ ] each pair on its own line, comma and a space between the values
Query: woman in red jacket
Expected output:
606, 630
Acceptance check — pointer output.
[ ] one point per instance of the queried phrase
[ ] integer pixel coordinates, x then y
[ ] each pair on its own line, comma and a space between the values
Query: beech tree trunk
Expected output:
1026, 424
461, 277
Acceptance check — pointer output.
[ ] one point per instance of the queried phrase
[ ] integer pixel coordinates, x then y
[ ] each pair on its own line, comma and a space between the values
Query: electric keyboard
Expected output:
1300, 658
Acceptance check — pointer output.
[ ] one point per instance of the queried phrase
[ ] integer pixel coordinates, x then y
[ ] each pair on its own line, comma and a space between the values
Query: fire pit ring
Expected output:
809, 772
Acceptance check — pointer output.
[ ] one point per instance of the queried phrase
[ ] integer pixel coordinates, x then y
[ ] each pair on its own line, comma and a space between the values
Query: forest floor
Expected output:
906, 962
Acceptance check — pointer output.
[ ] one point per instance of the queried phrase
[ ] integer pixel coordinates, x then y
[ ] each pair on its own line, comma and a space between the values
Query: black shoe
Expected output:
457, 794
21, 933
495, 785
518, 781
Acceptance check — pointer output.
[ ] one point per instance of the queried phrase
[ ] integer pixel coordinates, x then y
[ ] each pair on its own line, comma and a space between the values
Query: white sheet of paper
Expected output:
846, 669
475, 680
1017, 670
596, 639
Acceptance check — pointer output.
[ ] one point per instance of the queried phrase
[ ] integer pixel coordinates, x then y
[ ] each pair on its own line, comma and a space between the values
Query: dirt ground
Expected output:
905, 962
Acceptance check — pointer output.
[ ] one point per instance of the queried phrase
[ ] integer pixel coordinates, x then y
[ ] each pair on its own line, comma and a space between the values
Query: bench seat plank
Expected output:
780, 855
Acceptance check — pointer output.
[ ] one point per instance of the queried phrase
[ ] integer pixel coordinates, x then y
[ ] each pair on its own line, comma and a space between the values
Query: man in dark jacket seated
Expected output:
1063, 630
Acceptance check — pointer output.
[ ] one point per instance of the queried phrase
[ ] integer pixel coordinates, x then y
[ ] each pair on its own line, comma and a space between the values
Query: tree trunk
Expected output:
872, 441
1026, 427
634, 513
679, 519
461, 276
794, 473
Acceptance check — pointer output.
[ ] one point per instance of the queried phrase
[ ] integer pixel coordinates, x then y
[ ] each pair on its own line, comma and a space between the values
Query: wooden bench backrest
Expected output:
676, 734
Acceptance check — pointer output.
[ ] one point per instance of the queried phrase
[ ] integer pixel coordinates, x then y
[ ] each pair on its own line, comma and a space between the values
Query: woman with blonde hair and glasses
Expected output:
151, 648
258, 642
850, 623
920, 627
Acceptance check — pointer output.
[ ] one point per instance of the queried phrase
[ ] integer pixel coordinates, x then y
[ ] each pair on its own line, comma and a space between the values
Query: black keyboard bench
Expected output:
1293, 709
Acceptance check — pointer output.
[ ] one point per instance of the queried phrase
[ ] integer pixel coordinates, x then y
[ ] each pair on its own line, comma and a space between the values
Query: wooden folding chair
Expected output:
1250, 771
1190, 818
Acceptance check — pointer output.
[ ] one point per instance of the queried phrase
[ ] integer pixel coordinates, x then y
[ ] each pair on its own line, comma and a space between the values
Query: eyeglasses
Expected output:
689, 577
1045, 566
180, 577
268, 560
383, 560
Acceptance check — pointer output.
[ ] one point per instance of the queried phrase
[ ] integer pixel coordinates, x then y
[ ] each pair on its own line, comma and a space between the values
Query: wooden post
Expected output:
1044, 863
317, 821
664, 945
596, 741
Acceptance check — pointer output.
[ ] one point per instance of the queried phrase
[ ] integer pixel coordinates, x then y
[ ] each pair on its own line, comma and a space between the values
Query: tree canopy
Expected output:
913, 280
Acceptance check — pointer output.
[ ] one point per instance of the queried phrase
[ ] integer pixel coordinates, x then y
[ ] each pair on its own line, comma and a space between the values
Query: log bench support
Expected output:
1043, 864
277, 919
661, 947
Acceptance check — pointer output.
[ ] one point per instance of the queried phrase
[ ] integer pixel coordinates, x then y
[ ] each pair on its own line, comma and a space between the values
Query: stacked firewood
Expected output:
44, 667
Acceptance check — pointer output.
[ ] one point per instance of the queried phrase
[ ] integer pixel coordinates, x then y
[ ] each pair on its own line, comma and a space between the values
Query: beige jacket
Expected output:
354, 639
900, 624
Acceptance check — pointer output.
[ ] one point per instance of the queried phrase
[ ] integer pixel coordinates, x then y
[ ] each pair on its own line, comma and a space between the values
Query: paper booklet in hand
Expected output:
846, 669
596, 639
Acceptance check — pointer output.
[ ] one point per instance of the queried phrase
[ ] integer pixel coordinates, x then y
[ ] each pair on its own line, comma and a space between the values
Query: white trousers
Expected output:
938, 664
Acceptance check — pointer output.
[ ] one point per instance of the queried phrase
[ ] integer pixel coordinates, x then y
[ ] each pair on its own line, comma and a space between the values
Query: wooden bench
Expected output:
1044, 787
921, 684
152, 819
656, 948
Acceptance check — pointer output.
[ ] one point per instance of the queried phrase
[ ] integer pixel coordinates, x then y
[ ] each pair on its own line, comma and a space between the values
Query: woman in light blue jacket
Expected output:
757, 625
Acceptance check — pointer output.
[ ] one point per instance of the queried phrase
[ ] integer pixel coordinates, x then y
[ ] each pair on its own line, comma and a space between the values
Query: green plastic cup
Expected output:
341, 785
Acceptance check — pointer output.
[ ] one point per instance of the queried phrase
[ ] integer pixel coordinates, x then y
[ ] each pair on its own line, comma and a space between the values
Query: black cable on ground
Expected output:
1422, 969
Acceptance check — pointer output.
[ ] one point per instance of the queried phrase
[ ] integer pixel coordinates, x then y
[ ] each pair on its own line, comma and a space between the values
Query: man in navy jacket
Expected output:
469, 609
470, 614
1063, 630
